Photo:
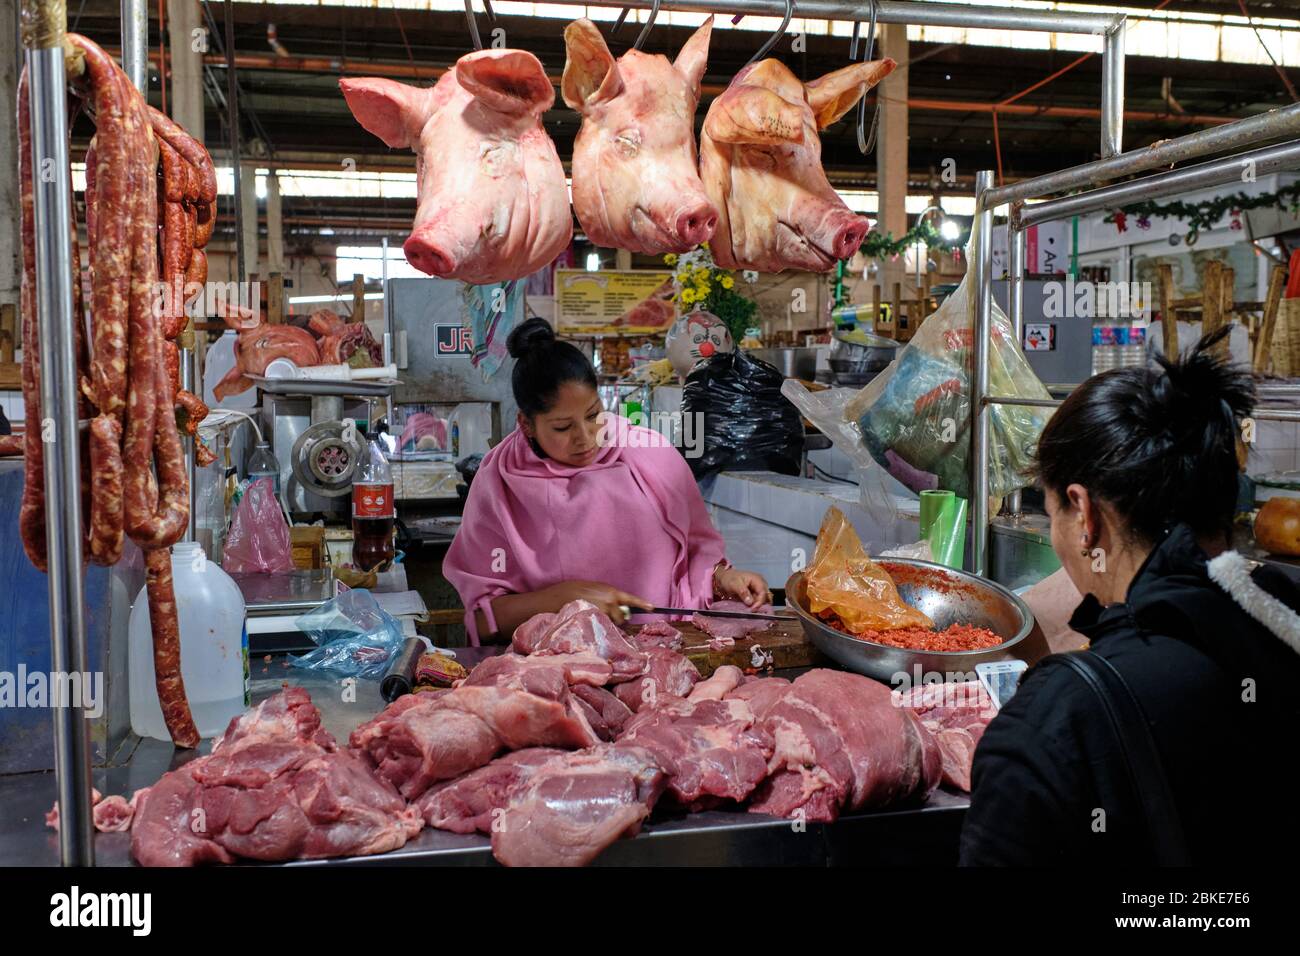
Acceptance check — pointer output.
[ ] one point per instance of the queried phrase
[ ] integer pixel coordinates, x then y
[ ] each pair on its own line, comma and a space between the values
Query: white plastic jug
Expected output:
214, 648
217, 361
468, 428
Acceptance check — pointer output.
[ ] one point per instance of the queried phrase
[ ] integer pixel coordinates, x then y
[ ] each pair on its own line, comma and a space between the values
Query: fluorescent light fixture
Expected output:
949, 230
304, 299
593, 262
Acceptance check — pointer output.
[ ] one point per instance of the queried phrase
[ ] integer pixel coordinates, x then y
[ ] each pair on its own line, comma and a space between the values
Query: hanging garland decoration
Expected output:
1204, 214
878, 245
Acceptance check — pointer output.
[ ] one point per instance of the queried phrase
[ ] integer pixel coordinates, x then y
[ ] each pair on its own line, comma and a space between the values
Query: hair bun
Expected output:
532, 335
1202, 388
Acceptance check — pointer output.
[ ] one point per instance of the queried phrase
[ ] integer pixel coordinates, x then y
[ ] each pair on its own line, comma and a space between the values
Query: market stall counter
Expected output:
924, 833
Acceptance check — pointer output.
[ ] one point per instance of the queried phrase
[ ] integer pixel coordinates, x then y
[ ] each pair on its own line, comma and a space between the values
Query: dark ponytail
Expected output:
1157, 444
542, 364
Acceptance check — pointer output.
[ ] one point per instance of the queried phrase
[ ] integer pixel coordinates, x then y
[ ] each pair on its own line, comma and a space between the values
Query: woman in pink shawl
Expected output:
578, 503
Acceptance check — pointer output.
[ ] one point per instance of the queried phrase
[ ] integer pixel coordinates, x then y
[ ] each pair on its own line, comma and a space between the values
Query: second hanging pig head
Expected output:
635, 181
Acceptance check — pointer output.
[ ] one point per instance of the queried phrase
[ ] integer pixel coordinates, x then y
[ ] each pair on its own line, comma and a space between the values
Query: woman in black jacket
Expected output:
1139, 469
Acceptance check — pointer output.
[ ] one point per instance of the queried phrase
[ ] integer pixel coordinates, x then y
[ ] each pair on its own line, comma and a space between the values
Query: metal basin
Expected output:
790, 362
948, 596
858, 357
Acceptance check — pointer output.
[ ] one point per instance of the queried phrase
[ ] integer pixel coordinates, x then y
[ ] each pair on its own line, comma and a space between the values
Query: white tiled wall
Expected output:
1276, 448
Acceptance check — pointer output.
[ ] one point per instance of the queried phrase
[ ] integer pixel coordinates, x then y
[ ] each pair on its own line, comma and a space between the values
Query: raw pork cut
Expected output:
605, 712
721, 683
760, 161
542, 674
274, 788
732, 627
110, 814
574, 806
636, 185
418, 739
659, 634
492, 202
956, 714
709, 748
842, 745
590, 630
669, 674
470, 802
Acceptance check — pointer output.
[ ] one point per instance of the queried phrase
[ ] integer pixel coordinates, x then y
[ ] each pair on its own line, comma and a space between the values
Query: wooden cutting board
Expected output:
785, 641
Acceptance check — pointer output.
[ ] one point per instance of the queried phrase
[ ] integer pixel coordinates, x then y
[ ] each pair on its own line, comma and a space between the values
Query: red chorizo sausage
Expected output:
167, 649
206, 221
31, 516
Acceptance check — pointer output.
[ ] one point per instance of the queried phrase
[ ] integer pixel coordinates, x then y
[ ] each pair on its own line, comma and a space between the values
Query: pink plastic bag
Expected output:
259, 535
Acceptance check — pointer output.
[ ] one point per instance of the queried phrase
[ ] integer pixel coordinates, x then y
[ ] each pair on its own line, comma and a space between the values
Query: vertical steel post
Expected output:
1112, 92
44, 25
1016, 312
981, 300
135, 42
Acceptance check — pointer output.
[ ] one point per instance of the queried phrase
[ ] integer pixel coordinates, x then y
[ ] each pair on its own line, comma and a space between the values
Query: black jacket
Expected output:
1048, 784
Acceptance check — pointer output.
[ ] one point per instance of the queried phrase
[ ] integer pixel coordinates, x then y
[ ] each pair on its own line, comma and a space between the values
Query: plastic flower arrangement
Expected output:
699, 284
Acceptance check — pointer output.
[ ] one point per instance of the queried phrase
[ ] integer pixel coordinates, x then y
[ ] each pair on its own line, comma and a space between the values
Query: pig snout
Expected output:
696, 223
428, 255
848, 237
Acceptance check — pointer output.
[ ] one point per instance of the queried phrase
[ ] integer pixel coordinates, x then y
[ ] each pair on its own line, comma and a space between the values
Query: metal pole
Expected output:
1256, 129
1016, 312
982, 302
1217, 172
921, 14
232, 110
44, 25
135, 42
1112, 92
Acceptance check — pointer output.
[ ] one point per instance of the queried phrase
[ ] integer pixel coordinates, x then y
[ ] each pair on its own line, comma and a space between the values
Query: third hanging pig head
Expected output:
635, 181
760, 160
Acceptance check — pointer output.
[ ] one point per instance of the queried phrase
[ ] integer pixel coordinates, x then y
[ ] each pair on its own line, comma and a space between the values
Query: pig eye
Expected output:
628, 142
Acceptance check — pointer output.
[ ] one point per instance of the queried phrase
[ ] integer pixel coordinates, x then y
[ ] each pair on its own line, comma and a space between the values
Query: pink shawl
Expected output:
633, 518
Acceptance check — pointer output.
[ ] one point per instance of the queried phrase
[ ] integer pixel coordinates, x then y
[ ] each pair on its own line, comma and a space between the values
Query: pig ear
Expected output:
590, 73
754, 115
509, 81
694, 56
392, 111
833, 95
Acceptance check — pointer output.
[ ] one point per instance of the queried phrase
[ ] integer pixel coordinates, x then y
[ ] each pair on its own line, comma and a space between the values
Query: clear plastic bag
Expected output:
259, 535
914, 418
843, 579
355, 637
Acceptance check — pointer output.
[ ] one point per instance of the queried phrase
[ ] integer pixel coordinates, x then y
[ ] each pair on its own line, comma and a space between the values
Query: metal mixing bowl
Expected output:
798, 362
948, 596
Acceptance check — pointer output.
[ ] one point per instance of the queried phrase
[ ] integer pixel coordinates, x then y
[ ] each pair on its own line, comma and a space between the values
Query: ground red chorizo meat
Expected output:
955, 637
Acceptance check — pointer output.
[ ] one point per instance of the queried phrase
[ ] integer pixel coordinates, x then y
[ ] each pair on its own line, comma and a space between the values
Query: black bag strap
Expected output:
1138, 748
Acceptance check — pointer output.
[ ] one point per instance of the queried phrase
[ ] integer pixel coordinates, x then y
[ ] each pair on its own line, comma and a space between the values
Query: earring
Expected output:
1084, 551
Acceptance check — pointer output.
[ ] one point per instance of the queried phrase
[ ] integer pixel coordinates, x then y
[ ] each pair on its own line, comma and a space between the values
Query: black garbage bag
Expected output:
748, 424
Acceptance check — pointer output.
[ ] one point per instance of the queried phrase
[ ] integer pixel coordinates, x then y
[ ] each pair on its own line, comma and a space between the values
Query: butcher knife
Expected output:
689, 611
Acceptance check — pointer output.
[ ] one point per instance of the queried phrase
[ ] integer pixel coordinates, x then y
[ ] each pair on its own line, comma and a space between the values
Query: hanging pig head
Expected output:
635, 181
760, 160
492, 204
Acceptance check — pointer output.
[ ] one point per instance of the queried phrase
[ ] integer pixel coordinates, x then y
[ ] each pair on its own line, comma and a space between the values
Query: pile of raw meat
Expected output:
555, 749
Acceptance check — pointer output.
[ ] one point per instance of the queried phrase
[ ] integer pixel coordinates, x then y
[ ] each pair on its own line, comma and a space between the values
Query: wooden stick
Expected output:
1168, 317
275, 299
1212, 294
1264, 340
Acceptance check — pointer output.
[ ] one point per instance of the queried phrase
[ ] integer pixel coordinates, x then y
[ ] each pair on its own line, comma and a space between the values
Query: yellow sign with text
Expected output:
634, 301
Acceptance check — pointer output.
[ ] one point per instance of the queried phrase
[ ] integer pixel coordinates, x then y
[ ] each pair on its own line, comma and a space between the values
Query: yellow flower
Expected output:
688, 296
728, 282
701, 272
670, 259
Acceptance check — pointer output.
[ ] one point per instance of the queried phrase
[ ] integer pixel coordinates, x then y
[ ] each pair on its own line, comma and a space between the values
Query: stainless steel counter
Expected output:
927, 833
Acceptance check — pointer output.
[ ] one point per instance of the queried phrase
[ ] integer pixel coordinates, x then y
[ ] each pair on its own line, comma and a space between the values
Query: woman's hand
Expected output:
746, 586
605, 596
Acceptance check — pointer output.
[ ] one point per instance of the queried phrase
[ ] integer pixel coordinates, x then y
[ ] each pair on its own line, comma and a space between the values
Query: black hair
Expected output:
542, 364
1158, 444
